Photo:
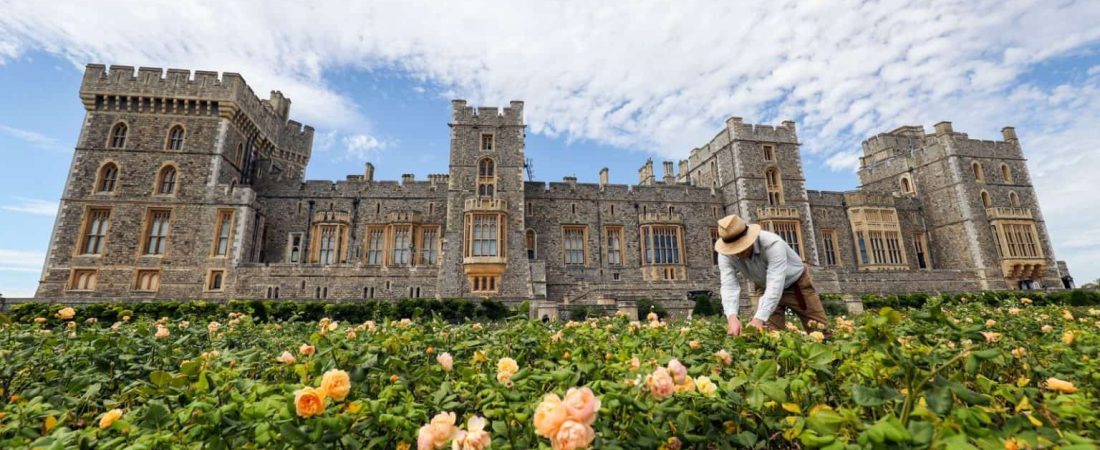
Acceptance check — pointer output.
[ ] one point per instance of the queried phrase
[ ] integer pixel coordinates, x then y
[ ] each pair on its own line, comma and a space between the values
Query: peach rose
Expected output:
39, 320
572, 436
1025, 300
688, 385
66, 313
474, 437
306, 349
677, 370
549, 415
724, 357
109, 418
694, 345
660, 383
1014, 311
1067, 315
213, 327
817, 336
1047, 328
635, 363
1062, 386
309, 401
162, 332
1067, 337
336, 384
351, 335
446, 361
990, 322
286, 358
652, 317
991, 336
1019, 352
436, 433
582, 405
506, 367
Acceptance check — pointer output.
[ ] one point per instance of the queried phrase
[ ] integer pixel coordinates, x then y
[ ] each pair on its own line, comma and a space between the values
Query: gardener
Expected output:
775, 268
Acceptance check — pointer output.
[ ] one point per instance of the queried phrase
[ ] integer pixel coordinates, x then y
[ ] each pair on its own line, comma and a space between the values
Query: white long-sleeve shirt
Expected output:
773, 265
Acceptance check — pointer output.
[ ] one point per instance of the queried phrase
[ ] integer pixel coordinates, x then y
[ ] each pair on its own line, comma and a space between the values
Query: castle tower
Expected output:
485, 204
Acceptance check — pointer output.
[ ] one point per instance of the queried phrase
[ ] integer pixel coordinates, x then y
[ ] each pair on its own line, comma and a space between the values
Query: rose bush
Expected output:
958, 375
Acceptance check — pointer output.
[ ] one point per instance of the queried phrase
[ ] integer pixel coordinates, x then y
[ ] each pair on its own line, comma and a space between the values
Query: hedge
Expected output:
453, 310
1076, 297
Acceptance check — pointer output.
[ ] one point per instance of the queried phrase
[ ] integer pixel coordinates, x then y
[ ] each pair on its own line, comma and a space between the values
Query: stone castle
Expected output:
187, 185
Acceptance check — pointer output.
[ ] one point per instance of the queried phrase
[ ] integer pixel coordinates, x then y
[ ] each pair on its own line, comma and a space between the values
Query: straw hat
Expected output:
734, 235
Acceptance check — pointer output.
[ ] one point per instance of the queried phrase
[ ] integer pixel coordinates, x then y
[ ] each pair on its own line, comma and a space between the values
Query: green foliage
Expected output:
646, 306
1076, 297
706, 306
894, 378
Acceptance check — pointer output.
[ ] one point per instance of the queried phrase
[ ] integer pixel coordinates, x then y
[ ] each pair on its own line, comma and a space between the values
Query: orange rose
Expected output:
572, 436
549, 415
336, 384
66, 313
582, 405
109, 418
306, 349
309, 401
1062, 386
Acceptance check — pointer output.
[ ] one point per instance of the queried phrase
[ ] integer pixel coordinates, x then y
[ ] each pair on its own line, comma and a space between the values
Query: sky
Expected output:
604, 84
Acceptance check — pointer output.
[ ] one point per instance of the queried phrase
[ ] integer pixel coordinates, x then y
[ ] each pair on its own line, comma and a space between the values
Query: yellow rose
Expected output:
109, 418
309, 401
1067, 337
705, 386
1062, 386
66, 313
336, 384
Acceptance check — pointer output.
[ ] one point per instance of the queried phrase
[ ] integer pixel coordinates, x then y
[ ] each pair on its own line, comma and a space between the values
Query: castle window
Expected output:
166, 180
1013, 199
238, 156
486, 178
986, 199
484, 284
531, 244
118, 136
979, 173
330, 243
108, 177
920, 243
146, 280
215, 280
95, 231
906, 185
789, 230
573, 244
1018, 239
614, 245
429, 245
828, 239
368, 292
769, 153
485, 234
401, 254
175, 138
713, 238
487, 141
83, 279
878, 238
294, 247
375, 243
156, 231
774, 184
714, 172
662, 244
222, 230
1006, 173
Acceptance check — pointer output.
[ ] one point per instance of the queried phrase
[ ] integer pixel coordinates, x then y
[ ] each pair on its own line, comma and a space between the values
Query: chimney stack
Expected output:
603, 177
670, 173
407, 178
368, 172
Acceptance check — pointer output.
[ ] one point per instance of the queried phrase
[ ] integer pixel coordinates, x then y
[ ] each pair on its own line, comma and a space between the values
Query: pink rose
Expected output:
573, 435
582, 405
446, 361
474, 437
660, 383
286, 358
549, 415
724, 357
436, 434
677, 370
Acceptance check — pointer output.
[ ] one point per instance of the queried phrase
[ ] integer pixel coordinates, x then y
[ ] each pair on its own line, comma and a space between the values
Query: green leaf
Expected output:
160, 378
870, 396
764, 371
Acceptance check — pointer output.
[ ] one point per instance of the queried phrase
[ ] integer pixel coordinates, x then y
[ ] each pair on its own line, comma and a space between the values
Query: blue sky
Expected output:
605, 85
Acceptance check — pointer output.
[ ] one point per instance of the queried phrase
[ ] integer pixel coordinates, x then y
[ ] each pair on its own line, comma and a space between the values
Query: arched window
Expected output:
906, 185
1014, 199
979, 174
166, 180
531, 244
986, 200
175, 138
1006, 173
775, 186
108, 177
486, 178
118, 136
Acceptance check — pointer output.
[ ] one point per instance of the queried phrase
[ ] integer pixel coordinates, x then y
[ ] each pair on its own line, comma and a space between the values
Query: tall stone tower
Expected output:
979, 206
485, 204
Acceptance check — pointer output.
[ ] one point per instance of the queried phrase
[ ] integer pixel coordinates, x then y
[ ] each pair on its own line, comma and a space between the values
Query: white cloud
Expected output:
33, 206
645, 75
37, 139
20, 260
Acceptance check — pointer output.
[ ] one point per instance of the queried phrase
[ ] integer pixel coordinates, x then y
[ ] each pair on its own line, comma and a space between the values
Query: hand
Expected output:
733, 325
757, 323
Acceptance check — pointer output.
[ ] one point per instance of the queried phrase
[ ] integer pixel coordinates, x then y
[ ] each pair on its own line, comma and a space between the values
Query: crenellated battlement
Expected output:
906, 140
177, 91
512, 115
783, 134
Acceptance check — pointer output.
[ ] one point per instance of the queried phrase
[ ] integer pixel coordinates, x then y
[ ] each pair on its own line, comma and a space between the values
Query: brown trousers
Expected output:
802, 299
